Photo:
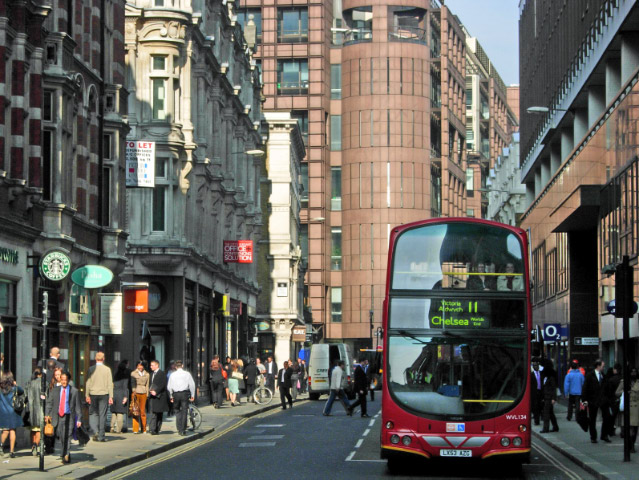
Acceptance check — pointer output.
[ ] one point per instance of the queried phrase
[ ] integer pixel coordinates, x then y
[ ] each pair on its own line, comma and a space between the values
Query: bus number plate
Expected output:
455, 453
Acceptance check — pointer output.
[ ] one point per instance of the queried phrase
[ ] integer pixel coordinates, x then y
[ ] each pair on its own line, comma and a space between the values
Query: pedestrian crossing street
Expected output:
261, 436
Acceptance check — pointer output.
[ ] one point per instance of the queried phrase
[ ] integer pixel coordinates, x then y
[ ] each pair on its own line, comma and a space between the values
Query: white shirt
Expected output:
336, 378
179, 381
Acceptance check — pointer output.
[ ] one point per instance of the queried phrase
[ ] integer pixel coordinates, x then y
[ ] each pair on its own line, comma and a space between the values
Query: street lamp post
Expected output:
43, 388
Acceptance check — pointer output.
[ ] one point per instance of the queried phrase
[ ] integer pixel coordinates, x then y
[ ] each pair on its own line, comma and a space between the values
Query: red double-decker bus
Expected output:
457, 327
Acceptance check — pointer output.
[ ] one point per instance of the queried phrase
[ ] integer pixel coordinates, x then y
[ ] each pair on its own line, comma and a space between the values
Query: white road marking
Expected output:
359, 443
270, 425
371, 423
257, 444
366, 432
350, 456
266, 437
380, 461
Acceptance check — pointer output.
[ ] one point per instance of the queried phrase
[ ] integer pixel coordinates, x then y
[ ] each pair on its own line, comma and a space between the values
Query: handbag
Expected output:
83, 436
19, 402
48, 429
237, 376
134, 407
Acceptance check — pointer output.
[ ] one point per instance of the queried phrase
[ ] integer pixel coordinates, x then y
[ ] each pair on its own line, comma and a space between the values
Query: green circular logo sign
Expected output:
55, 266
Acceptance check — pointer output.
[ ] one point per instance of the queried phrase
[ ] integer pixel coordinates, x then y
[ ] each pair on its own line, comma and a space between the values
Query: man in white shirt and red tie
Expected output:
63, 406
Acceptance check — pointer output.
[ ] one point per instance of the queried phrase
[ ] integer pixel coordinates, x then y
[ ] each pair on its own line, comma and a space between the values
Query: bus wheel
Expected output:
313, 396
393, 465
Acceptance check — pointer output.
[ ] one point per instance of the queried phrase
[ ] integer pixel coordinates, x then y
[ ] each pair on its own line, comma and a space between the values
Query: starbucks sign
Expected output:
55, 265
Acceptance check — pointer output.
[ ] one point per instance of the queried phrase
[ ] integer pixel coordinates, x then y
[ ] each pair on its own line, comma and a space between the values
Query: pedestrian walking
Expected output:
99, 395
227, 369
536, 389
140, 380
260, 366
370, 377
158, 399
271, 371
10, 421
361, 388
121, 393
573, 385
284, 385
634, 405
295, 378
181, 388
52, 363
35, 397
63, 407
611, 382
593, 397
234, 382
216, 382
250, 373
549, 379
337, 390
303, 375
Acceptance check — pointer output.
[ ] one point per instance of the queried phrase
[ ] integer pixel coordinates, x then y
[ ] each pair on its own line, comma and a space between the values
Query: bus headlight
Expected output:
389, 425
394, 439
505, 441
516, 442
406, 440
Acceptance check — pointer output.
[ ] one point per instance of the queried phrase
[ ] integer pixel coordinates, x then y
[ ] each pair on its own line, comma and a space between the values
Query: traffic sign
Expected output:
611, 307
551, 332
586, 341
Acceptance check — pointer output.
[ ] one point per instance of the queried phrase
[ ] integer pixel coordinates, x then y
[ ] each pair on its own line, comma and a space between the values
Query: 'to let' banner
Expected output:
238, 251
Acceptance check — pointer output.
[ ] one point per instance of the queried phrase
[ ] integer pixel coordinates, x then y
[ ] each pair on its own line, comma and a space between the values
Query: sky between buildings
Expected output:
495, 23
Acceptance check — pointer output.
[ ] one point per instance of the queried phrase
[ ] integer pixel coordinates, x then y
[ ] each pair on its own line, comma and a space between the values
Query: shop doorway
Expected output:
79, 353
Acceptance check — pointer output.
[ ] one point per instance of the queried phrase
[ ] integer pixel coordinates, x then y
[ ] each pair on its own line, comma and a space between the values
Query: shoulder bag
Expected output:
19, 401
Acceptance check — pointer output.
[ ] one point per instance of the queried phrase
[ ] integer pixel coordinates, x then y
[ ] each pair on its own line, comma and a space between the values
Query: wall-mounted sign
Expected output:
140, 164
282, 289
55, 265
236, 307
238, 251
110, 313
299, 333
263, 326
136, 300
92, 276
8, 255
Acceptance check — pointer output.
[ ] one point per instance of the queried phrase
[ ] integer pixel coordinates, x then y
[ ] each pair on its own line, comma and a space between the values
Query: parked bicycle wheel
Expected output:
195, 417
263, 396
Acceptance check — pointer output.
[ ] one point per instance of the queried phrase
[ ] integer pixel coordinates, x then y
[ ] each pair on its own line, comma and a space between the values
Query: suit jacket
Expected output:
53, 404
361, 382
250, 374
273, 367
286, 383
158, 403
49, 372
593, 391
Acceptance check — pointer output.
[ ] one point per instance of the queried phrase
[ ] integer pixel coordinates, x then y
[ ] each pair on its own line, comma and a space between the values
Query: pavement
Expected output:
122, 449
602, 460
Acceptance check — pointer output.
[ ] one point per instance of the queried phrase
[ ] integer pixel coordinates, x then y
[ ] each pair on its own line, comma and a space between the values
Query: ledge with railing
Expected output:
358, 35
292, 36
402, 33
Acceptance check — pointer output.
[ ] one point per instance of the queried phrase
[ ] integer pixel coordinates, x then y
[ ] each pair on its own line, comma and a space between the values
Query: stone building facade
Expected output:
62, 108
195, 93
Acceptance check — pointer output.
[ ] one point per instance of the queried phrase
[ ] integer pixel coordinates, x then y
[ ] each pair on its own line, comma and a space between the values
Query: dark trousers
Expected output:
270, 381
181, 409
156, 422
63, 431
592, 416
361, 400
98, 414
537, 406
573, 405
217, 393
250, 388
549, 415
285, 394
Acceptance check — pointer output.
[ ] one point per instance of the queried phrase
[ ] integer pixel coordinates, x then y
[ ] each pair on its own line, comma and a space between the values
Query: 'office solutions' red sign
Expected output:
238, 251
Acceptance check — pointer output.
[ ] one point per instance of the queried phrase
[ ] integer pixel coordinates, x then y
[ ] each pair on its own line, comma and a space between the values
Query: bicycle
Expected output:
195, 417
262, 395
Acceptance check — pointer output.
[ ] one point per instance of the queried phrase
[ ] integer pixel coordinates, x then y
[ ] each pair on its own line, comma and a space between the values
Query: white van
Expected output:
323, 355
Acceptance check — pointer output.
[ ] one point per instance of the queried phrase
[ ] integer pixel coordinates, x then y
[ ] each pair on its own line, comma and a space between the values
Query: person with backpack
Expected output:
216, 381
10, 410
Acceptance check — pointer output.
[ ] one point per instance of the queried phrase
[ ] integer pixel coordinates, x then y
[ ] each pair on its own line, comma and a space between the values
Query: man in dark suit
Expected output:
271, 368
536, 391
158, 398
63, 405
593, 395
250, 379
284, 384
361, 386
53, 362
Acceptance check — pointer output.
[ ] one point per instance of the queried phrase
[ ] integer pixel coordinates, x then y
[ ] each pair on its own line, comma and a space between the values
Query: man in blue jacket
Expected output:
573, 383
